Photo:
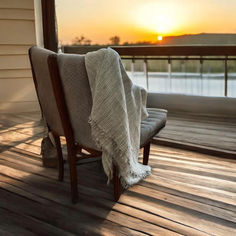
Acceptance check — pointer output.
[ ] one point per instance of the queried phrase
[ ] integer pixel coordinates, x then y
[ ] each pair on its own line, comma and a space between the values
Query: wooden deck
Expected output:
187, 194
208, 134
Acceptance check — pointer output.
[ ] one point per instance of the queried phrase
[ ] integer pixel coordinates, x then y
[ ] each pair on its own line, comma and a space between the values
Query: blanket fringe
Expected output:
98, 134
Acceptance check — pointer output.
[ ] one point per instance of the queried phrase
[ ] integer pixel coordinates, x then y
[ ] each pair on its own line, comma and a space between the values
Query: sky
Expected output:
142, 20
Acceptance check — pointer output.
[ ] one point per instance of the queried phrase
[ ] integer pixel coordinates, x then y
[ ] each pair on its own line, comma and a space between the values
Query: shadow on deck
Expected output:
188, 193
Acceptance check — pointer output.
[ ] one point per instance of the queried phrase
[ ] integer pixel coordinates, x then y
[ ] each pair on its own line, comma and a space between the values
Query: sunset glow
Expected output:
159, 18
139, 20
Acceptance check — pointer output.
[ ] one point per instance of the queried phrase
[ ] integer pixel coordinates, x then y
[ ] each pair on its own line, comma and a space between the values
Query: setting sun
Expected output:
159, 37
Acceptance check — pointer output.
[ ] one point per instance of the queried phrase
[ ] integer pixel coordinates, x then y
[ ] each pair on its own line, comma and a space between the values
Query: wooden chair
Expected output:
63, 91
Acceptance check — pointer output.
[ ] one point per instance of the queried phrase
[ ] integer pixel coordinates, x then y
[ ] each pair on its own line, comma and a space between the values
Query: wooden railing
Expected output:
169, 53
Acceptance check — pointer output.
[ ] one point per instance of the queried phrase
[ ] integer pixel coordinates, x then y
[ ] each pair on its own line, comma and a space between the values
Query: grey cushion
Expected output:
152, 125
44, 89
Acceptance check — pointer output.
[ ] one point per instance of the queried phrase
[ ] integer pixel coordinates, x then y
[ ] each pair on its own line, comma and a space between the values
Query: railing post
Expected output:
183, 70
169, 74
226, 76
132, 67
201, 76
145, 68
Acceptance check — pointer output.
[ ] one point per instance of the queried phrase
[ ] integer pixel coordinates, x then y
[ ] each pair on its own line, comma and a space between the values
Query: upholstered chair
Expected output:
64, 95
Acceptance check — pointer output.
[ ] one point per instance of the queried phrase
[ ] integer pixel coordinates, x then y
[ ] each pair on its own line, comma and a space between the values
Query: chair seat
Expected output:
152, 125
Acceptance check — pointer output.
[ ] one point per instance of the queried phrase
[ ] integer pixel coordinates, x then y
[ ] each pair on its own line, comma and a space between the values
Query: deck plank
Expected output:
140, 203
200, 130
188, 193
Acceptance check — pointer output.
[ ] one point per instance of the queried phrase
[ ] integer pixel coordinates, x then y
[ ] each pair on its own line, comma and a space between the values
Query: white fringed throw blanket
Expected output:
117, 111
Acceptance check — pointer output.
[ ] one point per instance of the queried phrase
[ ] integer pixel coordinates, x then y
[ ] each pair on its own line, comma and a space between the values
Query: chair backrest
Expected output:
38, 58
77, 95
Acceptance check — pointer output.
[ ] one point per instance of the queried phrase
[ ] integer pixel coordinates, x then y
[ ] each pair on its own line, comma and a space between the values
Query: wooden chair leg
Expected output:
116, 183
146, 152
60, 157
73, 172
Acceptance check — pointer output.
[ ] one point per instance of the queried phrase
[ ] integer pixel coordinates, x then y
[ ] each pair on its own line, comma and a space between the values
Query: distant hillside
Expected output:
200, 39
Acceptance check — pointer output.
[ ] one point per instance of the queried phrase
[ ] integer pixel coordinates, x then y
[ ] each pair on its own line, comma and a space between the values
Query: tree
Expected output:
115, 40
126, 43
81, 41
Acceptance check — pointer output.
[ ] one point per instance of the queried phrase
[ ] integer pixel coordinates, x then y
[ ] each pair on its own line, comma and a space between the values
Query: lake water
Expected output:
186, 83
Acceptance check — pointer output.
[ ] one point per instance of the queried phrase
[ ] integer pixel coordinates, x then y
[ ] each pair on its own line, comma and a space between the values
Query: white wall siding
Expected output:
17, 4
17, 27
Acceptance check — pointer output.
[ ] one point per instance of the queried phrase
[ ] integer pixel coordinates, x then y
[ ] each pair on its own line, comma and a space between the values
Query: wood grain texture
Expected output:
188, 193
206, 132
